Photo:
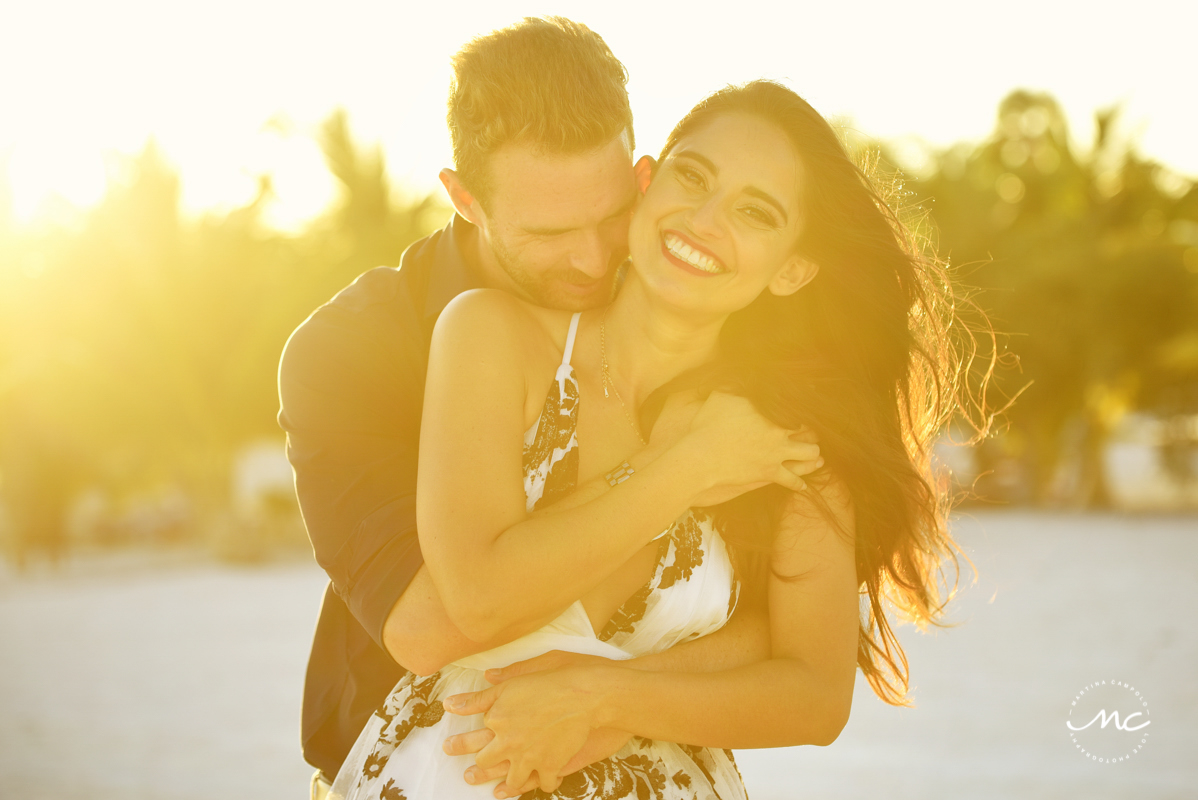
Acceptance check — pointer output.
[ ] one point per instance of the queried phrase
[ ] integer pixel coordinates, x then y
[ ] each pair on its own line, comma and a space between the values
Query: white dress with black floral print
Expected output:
692, 593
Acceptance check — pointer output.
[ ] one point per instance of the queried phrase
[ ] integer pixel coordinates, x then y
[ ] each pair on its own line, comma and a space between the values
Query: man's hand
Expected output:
554, 659
684, 411
600, 744
539, 724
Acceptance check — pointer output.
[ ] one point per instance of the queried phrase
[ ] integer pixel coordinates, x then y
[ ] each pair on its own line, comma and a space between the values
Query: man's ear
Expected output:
463, 201
643, 170
797, 273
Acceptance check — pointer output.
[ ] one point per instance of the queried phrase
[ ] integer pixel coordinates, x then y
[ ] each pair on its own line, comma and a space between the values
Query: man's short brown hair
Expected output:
550, 82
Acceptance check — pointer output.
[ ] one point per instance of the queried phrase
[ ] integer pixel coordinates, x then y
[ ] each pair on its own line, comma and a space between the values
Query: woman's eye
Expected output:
759, 215
690, 176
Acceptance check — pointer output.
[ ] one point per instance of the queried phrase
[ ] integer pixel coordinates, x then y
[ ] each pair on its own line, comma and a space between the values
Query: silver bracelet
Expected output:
620, 474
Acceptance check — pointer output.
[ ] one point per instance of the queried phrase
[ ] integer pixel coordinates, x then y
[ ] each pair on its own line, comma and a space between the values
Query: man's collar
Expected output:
453, 269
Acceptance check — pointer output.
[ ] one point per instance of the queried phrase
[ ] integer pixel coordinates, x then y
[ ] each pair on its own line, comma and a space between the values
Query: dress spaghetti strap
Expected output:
570, 339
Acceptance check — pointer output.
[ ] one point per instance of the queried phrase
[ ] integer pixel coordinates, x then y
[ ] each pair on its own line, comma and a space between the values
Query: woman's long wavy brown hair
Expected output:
871, 355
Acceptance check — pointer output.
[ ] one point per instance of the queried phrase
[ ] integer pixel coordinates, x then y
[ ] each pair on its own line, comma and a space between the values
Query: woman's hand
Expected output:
746, 451
601, 743
538, 723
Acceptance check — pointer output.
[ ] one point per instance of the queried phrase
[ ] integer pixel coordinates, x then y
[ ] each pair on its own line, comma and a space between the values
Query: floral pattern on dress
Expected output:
635, 776
644, 769
410, 705
391, 792
679, 554
632, 610
688, 547
551, 445
640, 775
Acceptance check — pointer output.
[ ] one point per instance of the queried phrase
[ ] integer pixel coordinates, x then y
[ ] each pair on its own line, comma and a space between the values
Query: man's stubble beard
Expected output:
544, 290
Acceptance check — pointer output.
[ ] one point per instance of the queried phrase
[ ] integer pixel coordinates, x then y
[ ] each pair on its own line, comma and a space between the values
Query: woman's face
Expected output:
720, 221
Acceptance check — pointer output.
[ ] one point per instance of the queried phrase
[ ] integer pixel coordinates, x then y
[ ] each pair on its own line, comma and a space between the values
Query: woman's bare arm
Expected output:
800, 695
803, 693
420, 636
479, 542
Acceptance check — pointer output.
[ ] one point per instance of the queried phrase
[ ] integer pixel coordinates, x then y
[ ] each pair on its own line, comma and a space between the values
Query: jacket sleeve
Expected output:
351, 384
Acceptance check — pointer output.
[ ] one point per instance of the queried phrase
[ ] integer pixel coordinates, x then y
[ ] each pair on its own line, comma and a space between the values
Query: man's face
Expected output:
557, 225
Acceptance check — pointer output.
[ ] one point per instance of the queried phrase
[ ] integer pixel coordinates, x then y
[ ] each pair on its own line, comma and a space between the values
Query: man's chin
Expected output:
573, 296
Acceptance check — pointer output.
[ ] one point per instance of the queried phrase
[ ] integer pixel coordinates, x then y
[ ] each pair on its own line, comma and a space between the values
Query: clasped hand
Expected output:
541, 723
743, 448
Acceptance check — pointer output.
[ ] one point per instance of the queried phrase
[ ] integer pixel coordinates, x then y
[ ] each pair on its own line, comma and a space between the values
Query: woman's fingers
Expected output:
801, 451
503, 790
476, 774
471, 742
790, 480
804, 434
471, 702
548, 785
519, 774
803, 467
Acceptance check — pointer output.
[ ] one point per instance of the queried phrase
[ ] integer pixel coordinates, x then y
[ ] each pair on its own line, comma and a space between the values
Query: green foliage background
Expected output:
140, 351
1088, 267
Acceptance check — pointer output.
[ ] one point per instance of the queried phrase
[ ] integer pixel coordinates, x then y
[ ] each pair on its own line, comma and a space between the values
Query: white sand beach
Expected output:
179, 679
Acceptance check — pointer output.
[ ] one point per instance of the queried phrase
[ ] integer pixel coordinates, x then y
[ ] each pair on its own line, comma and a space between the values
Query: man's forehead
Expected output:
534, 188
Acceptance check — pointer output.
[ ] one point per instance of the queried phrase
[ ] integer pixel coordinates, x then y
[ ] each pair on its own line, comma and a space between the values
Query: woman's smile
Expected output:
723, 204
689, 256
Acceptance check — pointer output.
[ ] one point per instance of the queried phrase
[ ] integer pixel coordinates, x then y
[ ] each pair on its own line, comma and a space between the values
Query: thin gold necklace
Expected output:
607, 381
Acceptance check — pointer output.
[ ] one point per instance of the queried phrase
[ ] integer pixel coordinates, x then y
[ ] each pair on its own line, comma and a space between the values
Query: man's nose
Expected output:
591, 254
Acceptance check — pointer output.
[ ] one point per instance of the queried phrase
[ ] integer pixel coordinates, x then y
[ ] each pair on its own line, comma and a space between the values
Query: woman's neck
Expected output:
648, 342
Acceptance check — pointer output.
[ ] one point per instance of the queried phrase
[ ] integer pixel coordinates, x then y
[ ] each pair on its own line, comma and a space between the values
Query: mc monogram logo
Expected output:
1108, 721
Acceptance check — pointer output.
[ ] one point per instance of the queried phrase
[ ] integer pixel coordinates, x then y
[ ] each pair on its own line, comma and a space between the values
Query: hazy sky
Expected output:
234, 88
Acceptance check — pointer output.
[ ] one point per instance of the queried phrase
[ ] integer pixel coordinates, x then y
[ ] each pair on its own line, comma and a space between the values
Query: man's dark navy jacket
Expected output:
351, 387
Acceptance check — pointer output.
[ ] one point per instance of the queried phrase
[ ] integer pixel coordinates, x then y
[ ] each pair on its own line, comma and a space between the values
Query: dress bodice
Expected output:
692, 592
693, 589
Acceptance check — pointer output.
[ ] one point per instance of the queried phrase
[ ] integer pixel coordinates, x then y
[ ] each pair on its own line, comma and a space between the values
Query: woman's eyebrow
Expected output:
702, 159
768, 198
760, 194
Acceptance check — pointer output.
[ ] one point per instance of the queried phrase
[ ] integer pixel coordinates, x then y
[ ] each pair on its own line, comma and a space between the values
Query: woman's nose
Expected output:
707, 217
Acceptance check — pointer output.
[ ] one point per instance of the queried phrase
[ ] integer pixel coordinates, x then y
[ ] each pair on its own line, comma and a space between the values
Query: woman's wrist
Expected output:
681, 461
645, 456
687, 460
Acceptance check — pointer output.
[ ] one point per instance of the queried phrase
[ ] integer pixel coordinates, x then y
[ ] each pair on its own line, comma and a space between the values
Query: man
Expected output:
544, 188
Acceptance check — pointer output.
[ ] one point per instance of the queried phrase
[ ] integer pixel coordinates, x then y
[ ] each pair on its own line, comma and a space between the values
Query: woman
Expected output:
766, 267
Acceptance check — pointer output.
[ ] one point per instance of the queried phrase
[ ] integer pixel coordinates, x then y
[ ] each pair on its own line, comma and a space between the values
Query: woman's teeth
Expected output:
680, 249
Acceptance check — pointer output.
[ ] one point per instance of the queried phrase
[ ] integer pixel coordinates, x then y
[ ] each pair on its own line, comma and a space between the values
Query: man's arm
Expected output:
351, 384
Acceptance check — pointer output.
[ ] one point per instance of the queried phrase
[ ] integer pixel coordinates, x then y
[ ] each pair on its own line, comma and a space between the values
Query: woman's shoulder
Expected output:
825, 506
495, 321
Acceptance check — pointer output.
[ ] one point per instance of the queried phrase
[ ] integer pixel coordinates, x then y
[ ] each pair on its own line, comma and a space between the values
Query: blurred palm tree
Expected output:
140, 350
1090, 264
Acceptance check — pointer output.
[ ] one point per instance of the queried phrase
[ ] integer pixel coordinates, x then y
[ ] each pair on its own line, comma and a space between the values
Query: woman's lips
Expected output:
689, 256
